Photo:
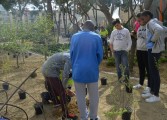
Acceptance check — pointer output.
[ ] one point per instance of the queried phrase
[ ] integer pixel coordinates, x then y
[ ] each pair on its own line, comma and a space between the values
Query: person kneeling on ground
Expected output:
51, 70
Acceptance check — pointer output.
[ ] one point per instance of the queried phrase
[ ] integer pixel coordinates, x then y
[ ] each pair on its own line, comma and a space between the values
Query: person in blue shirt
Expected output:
86, 55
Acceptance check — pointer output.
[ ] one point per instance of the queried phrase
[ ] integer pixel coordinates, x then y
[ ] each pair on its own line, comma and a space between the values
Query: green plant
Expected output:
110, 61
163, 60
114, 112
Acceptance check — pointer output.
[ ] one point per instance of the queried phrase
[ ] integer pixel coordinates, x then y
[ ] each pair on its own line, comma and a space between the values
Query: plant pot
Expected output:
103, 81
22, 94
8, 53
45, 97
26, 56
129, 89
33, 75
127, 114
38, 108
14, 56
29, 54
5, 86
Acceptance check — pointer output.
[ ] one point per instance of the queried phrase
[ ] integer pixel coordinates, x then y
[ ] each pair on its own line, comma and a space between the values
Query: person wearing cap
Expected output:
86, 55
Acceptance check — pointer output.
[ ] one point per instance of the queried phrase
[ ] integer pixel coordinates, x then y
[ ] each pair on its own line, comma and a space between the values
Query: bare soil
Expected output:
112, 95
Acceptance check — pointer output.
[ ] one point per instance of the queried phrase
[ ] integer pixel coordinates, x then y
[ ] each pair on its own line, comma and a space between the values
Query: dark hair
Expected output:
138, 15
88, 25
147, 13
115, 22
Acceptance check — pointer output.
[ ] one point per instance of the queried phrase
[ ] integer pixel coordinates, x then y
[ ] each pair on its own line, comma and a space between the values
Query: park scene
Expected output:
83, 60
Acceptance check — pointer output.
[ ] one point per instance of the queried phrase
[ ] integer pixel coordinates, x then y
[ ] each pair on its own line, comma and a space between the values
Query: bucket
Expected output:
22, 94
38, 108
103, 81
5, 86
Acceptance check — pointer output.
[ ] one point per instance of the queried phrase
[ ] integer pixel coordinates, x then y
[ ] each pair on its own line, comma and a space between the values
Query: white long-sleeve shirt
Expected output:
121, 39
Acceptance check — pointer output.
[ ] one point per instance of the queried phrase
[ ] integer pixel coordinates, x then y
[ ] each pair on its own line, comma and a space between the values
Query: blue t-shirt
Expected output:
149, 43
86, 54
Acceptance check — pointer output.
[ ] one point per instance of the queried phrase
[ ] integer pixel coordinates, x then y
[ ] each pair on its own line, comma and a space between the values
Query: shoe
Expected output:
137, 86
153, 98
69, 116
98, 118
146, 95
146, 90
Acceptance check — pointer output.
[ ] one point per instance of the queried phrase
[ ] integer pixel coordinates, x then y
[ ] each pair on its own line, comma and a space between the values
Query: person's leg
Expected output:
150, 62
145, 61
80, 95
155, 71
140, 59
117, 57
94, 99
58, 90
124, 61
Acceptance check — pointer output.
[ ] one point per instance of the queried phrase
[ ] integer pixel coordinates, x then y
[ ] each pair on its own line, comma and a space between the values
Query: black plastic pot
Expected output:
22, 94
29, 54
38, 108
8, 53
129, 89
127, 114
14, 56
33, 75
103, 81
26, 56
5, 86
45, 97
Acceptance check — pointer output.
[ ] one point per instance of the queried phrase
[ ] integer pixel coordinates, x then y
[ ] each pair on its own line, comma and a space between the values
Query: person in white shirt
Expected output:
120, 44
142, 56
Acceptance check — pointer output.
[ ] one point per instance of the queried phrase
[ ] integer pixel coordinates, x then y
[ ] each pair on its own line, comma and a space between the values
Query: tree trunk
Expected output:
147, 4
132, 54
49, 9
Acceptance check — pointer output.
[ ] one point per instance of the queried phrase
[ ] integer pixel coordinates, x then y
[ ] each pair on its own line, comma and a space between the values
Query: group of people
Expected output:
86, 54
149, 47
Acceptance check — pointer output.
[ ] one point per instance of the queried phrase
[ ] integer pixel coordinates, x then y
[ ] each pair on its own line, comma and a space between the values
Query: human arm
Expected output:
129, 41
66, 72
99, 50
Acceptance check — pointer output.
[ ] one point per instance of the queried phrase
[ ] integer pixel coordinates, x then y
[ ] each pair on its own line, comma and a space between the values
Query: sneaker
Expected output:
146, 90
98, 118
137, 86
153, 98
70, 116
146, 95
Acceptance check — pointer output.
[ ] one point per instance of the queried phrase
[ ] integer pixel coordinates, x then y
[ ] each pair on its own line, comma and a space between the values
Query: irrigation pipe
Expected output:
17, 88
6, 99
26, 93
16, 107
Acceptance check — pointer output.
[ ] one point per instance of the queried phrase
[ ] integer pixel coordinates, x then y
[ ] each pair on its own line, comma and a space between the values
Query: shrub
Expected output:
110, 61
163, 60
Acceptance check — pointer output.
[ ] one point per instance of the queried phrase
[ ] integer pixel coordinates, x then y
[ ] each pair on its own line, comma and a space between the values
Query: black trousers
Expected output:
142, 59
154, 71
105, 46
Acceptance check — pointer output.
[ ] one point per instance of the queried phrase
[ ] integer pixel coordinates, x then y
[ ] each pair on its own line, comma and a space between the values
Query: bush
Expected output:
110, 61
163, 60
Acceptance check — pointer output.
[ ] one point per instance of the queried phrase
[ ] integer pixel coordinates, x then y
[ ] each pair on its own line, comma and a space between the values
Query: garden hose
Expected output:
17, 88
16, 107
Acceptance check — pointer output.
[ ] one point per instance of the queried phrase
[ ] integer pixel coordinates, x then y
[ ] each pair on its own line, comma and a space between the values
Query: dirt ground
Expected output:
111, 95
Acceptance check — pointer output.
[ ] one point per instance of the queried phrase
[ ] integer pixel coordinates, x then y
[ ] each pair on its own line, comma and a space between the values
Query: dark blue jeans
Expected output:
121, 58
154, 71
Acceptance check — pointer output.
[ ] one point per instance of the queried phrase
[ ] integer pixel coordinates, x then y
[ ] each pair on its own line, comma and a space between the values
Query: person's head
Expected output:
88, 25
117, 24
95, 27
102, 28
146, 16
138, 18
